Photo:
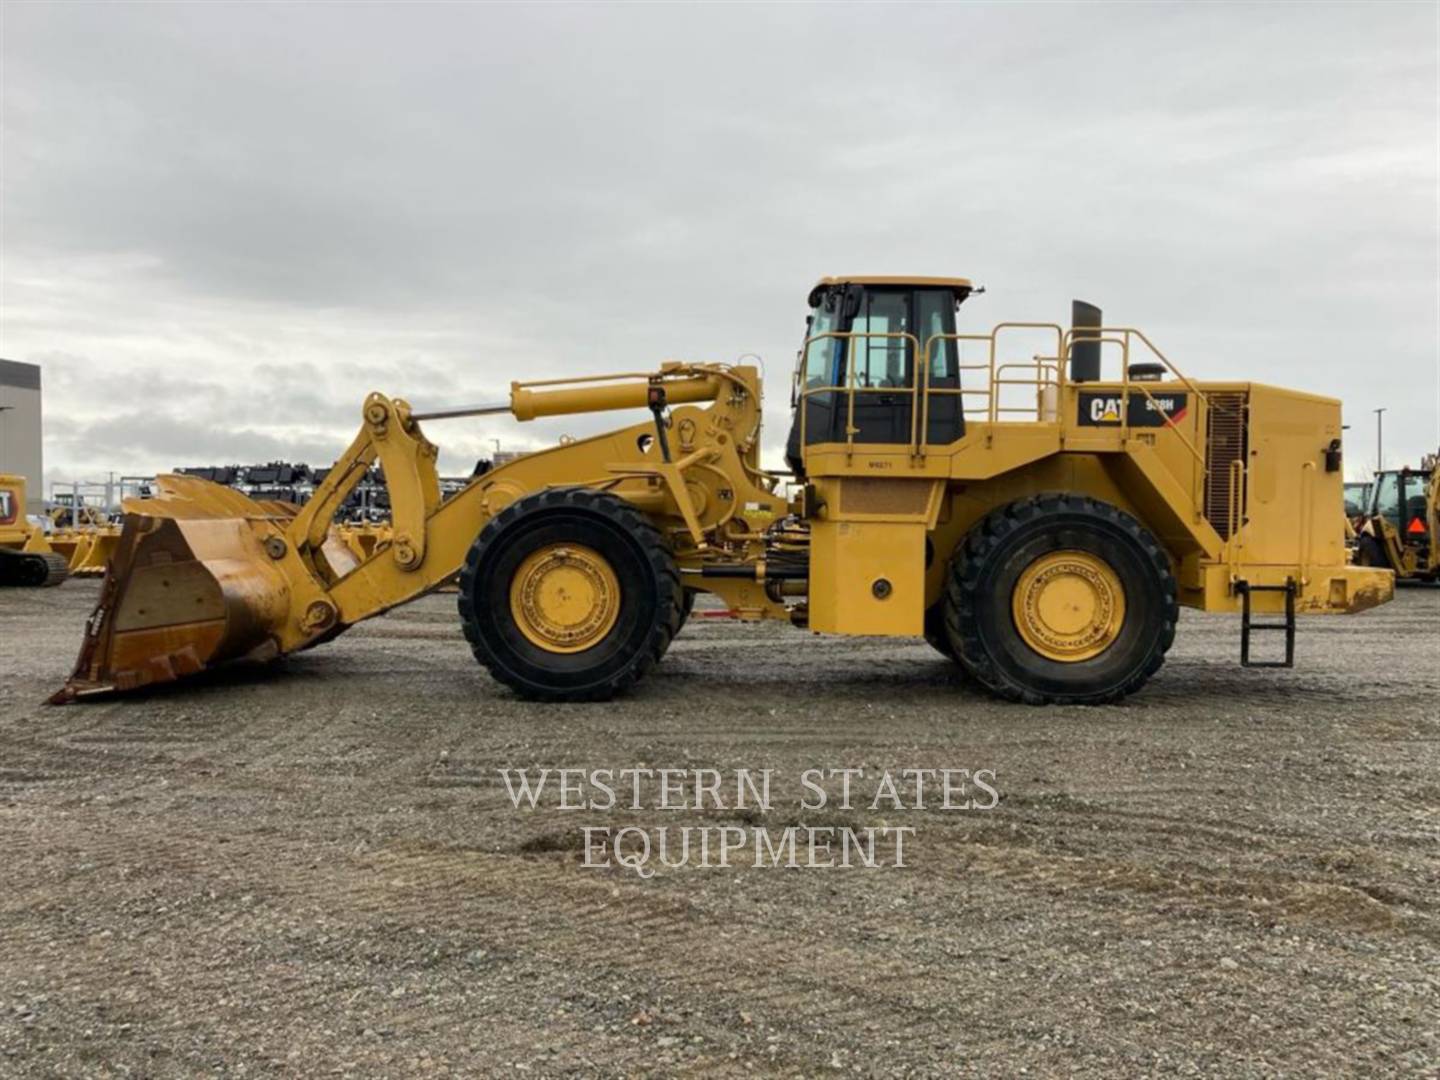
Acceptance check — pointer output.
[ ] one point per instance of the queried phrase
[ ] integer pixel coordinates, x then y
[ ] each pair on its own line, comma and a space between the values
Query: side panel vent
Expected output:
1225, 443
874, 495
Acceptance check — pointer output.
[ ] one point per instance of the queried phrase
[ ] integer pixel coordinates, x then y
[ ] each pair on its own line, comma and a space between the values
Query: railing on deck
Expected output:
1045, 373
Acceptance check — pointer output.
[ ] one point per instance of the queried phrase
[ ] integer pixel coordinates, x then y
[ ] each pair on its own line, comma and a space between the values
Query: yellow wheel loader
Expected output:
26, 557
1401, 521
1040, 524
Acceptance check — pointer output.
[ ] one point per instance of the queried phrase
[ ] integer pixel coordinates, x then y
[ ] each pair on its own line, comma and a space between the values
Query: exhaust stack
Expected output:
1085, 348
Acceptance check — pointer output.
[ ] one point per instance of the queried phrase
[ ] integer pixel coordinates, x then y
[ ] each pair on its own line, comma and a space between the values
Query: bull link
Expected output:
672, 475
390, 435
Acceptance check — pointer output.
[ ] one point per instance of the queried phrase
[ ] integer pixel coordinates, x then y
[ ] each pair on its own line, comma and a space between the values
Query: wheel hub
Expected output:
1068, 606
565, 598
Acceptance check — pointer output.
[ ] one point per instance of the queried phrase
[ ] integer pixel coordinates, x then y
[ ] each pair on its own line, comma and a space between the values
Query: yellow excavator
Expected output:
1038, 523
1401, 520
26, 557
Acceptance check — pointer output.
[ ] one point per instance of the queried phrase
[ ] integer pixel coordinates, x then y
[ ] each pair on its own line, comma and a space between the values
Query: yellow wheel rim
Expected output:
1069, 606
565, 598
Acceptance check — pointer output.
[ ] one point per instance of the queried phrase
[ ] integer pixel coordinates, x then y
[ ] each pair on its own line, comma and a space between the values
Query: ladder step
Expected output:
1244, 588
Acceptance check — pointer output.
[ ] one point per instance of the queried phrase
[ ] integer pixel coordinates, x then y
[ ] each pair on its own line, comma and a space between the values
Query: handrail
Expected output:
991, 339
1094, 334
1184, 439
1046, 370
1106, 336
1237, 511
1307, 513
850, 388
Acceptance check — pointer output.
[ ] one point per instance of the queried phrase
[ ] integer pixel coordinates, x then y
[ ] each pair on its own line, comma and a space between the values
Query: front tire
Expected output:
687, 605
569, 595
1061, 599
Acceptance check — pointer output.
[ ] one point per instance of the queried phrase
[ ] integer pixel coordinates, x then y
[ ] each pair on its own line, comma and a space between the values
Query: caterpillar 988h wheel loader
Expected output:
1045, 546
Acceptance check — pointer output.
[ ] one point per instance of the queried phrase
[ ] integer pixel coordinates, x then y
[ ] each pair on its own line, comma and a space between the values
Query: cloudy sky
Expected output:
224, 224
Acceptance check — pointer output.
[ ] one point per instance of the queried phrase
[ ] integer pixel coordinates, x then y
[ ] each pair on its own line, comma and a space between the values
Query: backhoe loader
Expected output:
26, 557
1045, 547
1401, 521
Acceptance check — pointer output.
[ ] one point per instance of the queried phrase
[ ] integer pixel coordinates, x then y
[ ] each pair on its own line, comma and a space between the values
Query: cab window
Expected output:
882, 361
824, 357
934, 315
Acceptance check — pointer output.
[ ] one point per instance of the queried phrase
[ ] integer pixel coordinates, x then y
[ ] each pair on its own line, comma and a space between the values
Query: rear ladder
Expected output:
1247, 624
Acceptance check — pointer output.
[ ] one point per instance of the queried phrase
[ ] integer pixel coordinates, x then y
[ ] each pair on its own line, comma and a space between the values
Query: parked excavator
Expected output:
1045, 547
1401, 521
26, 557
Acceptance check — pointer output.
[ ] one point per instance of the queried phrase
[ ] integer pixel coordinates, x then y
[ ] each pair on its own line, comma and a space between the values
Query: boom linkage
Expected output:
260, 580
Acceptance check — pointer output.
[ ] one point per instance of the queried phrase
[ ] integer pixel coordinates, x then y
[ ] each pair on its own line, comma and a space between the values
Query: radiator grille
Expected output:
1224, 444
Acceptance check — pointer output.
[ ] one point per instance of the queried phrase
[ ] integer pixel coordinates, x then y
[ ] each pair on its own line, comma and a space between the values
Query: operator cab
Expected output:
884, 319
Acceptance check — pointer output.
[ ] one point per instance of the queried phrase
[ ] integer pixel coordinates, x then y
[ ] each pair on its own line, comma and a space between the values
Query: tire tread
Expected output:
970, 570
627, 518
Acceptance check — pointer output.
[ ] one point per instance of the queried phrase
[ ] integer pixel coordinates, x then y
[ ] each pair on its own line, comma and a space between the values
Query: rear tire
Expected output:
625, 567
1097, 637
936, 636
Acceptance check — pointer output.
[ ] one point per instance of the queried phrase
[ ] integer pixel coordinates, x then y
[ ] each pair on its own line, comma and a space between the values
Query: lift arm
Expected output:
203, 573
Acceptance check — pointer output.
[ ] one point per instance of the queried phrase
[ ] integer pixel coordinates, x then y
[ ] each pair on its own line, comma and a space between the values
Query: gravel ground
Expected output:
314, 867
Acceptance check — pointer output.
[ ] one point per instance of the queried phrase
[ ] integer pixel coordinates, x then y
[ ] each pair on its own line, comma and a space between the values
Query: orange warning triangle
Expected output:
1415, 526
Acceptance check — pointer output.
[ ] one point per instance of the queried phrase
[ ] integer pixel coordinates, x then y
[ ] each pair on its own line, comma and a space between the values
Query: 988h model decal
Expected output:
1103, 408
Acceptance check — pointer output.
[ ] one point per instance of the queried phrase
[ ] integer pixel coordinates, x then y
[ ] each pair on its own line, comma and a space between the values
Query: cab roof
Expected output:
895, 279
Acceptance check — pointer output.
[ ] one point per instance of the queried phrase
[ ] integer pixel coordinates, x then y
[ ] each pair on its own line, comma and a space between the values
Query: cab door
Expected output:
882, 365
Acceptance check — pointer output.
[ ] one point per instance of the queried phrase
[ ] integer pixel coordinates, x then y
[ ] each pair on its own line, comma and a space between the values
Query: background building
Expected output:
20, 450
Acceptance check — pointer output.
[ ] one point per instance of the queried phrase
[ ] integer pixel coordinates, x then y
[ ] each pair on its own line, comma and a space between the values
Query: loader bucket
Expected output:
94, 551
189, 585
66, 544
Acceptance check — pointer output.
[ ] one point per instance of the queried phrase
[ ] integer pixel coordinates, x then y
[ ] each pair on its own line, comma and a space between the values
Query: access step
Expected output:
1248, 624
